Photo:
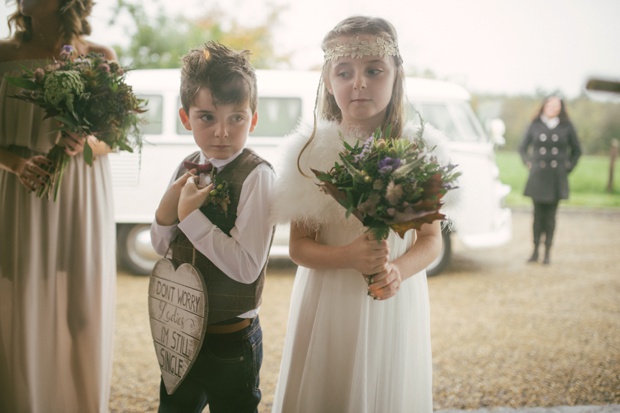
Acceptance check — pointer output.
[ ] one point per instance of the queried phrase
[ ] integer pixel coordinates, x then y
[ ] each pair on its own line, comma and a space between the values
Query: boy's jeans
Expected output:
225, 375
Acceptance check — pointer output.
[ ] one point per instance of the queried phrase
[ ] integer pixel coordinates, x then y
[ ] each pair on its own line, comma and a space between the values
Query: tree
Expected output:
161, 40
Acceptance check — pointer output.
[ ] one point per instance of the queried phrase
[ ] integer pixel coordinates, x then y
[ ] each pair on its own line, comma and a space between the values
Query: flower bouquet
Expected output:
87, 95
389, 183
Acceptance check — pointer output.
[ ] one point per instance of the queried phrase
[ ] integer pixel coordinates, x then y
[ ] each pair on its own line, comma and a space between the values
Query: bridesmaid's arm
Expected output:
32, 172
74, 144
11, 162
422, 252
98, 147
364, 254
426, 248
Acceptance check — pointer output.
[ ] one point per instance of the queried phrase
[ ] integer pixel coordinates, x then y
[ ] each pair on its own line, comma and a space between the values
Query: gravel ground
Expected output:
505, 333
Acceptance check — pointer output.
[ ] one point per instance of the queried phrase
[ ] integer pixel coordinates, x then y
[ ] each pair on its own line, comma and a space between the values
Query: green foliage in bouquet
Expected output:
87, 95
389, 183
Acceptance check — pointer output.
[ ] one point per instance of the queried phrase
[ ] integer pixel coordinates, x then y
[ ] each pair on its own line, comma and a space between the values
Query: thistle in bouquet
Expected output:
86, 95
390, 183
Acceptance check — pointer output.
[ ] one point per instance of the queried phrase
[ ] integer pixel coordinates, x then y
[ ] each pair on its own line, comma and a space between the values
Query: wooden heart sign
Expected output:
178, 315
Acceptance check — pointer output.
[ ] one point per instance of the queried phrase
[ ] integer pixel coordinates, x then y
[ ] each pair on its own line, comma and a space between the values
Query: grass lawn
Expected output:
587, 183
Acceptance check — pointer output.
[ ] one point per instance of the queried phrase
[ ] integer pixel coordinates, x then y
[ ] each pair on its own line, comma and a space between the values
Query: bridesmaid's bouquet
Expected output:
389, 183
87, 95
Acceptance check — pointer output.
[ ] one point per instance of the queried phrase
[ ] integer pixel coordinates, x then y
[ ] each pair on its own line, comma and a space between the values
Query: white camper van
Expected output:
285, 98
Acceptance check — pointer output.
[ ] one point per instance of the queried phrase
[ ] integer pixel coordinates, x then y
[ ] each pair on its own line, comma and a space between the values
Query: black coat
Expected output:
552, 154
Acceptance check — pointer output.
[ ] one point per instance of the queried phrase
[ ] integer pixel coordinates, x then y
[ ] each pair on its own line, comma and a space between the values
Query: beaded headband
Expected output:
356, 48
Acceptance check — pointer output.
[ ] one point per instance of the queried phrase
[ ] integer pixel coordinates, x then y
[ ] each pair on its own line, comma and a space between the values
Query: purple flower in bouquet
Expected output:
387, 165
87, 96
66, 52
389, 183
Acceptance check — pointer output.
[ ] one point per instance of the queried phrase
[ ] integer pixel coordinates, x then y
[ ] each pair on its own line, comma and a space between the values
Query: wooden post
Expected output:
613, 153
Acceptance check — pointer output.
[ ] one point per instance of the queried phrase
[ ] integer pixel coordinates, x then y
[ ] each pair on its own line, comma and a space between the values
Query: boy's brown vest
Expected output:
227, 298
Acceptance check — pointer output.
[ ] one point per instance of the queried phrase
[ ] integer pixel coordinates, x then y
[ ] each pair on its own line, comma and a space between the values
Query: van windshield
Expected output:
455, 119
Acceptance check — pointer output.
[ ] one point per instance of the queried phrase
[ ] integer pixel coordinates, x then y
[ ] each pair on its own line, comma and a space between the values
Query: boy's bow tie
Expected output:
200, 168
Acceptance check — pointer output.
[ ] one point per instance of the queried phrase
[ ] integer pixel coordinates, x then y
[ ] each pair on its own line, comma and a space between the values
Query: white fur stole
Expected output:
299, 198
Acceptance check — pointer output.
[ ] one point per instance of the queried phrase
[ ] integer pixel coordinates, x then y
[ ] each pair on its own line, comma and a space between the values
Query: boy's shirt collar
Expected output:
219, 163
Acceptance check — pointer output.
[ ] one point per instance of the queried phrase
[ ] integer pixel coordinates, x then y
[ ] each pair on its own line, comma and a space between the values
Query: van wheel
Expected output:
443, 259
135, 252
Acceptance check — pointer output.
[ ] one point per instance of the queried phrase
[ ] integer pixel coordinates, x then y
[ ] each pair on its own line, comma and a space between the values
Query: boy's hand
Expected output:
192, 197
166, 213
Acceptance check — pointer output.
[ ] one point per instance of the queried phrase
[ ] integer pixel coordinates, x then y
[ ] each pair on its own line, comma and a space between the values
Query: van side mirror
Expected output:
496, 129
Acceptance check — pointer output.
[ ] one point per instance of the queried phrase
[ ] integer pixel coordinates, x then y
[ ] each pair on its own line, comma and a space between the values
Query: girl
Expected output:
57, 260
351, 346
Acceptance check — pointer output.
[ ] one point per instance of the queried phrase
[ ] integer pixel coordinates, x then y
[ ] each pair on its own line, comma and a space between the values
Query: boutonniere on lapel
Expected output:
220, 194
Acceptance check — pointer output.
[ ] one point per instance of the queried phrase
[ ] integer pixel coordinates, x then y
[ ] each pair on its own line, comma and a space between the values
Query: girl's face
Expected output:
552, 107
362, 88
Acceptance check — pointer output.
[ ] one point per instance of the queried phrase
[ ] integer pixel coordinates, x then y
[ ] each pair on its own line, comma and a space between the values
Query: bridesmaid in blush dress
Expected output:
57, 258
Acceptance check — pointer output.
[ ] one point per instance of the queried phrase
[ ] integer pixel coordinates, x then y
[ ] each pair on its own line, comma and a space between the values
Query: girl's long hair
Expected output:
563, 113
73, 17
326, 107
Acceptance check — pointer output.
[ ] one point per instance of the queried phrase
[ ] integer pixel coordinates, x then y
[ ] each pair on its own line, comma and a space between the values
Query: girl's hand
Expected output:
385, 284
368, 255
192, 197
73, 143
167, 212
33, 172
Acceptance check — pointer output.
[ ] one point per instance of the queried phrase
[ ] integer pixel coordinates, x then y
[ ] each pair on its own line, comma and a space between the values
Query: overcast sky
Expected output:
497, 46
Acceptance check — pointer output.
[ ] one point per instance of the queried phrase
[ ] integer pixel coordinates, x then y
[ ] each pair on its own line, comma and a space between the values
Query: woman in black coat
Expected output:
550, 150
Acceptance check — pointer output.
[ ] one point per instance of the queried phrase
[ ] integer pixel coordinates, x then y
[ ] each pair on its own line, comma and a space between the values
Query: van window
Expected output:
277, 116
455, 119
153, 116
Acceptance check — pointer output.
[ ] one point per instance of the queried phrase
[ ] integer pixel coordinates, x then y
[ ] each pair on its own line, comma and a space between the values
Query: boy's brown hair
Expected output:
227, 73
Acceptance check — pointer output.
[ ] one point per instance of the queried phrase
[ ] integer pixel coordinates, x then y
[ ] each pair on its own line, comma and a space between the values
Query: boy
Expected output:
228, 243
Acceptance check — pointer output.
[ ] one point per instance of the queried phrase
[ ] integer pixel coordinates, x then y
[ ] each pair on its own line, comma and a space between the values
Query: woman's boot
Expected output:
547, 259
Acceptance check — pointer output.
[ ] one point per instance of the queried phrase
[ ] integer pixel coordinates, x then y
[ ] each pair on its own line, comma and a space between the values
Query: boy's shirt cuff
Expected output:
196, 225
161, 237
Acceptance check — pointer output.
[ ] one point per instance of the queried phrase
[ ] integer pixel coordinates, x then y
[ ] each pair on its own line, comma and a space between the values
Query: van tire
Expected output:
442, 261
135, 253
